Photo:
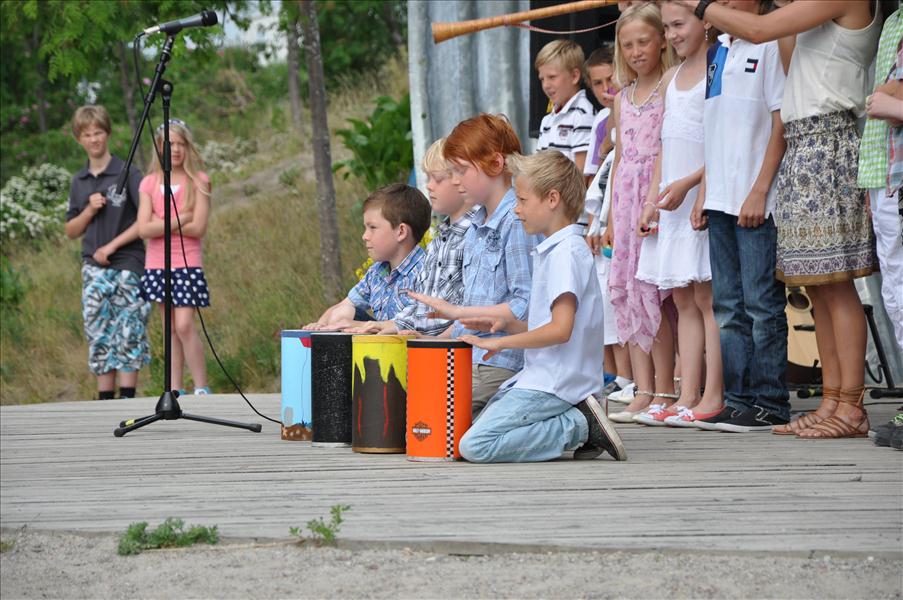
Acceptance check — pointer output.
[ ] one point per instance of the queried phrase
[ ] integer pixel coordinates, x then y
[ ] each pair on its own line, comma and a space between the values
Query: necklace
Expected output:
648, 98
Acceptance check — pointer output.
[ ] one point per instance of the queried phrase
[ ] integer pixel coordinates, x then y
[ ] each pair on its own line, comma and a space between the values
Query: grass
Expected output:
6, 545
323, 533
261, 256
169, 534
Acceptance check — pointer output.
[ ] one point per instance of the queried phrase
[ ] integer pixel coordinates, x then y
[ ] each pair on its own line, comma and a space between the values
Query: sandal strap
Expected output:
835, 428
830, 393
855, 396
664, 395
642, 393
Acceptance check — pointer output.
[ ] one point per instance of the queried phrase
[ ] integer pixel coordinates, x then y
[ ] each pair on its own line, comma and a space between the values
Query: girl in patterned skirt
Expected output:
191, 197
825, 239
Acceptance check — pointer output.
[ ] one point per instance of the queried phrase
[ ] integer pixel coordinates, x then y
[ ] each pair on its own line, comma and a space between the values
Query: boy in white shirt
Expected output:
568, 127
547, 408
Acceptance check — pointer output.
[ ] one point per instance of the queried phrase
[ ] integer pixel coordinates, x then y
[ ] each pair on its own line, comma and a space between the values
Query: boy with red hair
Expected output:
496, 249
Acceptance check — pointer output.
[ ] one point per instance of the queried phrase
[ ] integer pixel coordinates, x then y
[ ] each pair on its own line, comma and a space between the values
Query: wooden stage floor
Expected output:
682, 490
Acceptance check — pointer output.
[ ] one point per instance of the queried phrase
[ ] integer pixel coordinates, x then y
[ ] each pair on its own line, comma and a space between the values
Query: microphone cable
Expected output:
135, 54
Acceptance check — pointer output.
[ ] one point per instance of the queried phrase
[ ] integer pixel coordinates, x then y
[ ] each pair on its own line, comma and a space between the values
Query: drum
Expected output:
330, 358
439, 398
379, 393
296, 408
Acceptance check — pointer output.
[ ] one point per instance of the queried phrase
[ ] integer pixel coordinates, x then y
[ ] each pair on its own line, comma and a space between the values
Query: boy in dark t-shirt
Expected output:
115, 315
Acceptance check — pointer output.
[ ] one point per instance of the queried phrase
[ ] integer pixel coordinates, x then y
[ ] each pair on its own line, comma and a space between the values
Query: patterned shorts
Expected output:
824, 229
189, 287
115, 319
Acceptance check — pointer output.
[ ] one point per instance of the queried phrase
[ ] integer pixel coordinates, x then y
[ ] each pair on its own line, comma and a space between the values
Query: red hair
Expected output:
477, 140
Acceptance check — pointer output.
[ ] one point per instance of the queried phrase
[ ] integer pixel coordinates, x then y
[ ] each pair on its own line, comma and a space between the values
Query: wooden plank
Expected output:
61, 468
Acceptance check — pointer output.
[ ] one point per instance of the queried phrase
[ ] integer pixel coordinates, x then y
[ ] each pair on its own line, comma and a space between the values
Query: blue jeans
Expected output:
749, 301
520, 425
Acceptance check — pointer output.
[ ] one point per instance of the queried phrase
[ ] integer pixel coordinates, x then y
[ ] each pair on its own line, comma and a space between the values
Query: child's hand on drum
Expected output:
442, 309
490, 324
490, 345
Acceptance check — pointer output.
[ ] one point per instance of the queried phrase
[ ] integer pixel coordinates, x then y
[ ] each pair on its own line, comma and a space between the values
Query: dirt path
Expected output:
62, 565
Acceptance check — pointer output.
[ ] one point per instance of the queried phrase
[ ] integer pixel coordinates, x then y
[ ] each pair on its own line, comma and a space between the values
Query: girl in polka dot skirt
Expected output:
191, 196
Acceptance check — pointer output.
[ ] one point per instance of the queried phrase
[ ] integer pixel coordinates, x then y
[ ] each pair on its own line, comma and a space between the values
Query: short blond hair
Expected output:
566, 53
549, 170
89, 115
433, 162
650, 14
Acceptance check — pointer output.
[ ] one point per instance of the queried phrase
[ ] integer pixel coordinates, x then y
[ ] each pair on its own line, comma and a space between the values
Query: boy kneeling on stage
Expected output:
547, 407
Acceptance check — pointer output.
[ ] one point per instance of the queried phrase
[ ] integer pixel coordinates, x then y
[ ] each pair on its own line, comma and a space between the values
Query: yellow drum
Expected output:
379, 393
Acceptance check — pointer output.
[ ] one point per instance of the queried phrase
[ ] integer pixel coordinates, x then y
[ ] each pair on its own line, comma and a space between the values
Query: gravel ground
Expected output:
64, 565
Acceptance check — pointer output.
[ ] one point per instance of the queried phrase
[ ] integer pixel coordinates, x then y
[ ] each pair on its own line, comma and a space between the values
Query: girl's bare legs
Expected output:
713, 397
106, 382
176, 371
847, 322
691, 337
610, 363
827, 347
622, 361
643, 377
191, 345
663, 359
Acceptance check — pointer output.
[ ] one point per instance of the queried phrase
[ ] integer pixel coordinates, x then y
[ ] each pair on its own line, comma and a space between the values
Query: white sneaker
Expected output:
624, 395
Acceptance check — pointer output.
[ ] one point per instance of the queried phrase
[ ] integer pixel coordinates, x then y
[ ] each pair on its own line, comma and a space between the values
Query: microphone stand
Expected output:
168, 405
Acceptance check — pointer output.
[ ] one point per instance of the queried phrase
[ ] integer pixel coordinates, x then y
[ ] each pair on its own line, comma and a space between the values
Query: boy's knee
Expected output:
472, 448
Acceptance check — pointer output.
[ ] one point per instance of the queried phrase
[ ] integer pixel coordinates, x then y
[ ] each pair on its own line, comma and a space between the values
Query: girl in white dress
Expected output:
674, 256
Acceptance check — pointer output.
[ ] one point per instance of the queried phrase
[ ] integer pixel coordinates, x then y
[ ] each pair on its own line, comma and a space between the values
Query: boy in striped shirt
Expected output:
568, 127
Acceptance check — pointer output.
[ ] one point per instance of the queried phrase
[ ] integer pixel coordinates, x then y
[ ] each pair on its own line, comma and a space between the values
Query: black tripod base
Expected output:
888, 392
168, 409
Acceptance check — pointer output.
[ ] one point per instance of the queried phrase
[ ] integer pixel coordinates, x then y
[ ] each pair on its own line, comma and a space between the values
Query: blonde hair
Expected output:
549, 170
651, 15
433, 162
567, 53
89, 115
193, 164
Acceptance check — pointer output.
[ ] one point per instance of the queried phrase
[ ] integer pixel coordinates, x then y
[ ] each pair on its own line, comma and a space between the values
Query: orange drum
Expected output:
439, 398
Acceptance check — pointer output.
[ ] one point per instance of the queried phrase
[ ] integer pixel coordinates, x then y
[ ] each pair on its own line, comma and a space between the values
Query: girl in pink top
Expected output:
642, 57
191, 196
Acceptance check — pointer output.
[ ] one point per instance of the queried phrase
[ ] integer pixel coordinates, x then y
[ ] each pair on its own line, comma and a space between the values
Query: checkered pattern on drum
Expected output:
450, 403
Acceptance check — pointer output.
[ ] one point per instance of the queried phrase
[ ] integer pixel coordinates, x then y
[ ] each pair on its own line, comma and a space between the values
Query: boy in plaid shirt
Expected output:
442, 274
395, 218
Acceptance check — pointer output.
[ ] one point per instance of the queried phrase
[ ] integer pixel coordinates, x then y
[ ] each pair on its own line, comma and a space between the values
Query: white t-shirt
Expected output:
562, 264
568, 130
745, 84
593, 160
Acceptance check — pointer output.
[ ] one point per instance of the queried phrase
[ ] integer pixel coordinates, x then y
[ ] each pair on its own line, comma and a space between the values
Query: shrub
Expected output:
33, 205
227, 157
381, 147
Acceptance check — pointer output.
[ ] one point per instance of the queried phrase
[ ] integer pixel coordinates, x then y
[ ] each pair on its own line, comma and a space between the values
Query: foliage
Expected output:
6, 545
33, 205
356, 37
170, 534
223, 156
381, 146
12, 288
322, 532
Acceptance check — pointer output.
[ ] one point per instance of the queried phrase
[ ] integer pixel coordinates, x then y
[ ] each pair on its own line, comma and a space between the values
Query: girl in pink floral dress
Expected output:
641, 59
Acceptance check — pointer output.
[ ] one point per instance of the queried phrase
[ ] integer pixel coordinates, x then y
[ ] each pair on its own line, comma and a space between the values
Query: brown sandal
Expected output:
834, 427
809, 419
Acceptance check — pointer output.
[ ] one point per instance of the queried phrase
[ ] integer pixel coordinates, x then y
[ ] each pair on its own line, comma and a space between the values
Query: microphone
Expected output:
204, 19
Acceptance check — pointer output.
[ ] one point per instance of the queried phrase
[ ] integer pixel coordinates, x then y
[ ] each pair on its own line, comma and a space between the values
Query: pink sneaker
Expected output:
655, 415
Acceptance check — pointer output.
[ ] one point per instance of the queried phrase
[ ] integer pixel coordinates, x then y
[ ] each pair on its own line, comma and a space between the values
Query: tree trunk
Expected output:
294, 80
128, 93
330, 260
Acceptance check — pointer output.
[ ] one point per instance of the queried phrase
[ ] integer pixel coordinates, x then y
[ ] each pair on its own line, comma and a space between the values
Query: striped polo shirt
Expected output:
568, 130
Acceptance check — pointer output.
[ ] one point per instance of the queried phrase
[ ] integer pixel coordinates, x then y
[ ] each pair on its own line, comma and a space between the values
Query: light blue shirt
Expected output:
496, 271
572, 370
380, 289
